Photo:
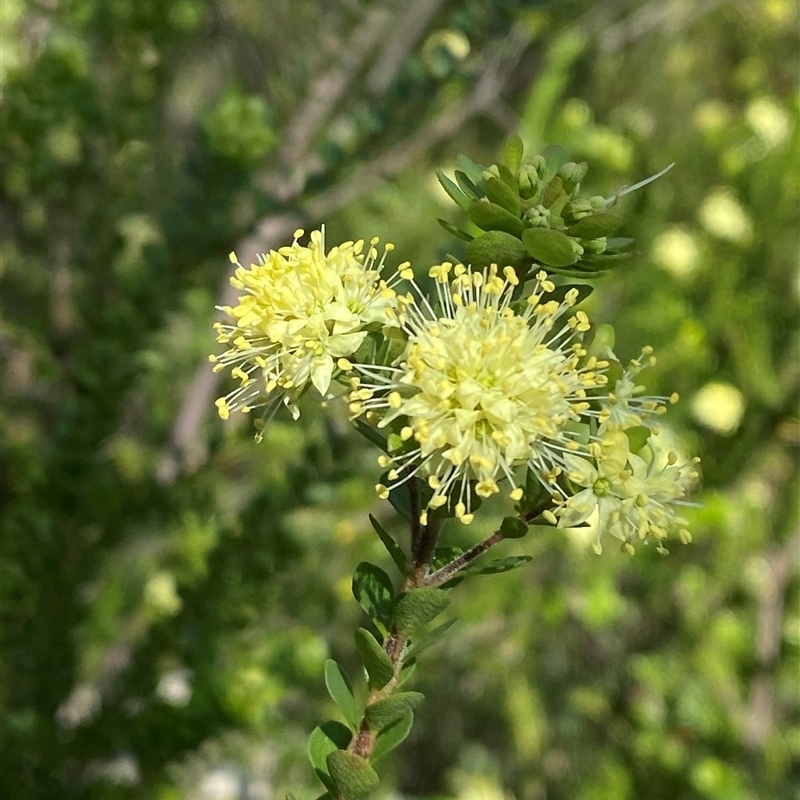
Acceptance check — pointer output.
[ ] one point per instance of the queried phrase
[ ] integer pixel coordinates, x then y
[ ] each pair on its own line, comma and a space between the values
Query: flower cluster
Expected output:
301, 310
494, 380
634, 498
482, 388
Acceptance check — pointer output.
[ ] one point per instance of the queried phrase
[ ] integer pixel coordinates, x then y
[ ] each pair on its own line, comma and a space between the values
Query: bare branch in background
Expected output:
782, 565
441, 127
658, 14
328, 89
400, 44
185, 448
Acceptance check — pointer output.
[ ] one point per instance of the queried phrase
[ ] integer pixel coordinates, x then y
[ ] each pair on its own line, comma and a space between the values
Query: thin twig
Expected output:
404, 37
782, 565
667, 17
328, 89
464, 560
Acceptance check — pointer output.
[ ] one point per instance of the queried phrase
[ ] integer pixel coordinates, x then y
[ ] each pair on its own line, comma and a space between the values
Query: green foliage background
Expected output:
167, 608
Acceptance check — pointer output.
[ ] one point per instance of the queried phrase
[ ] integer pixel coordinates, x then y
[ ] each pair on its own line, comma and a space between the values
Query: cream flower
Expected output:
603, 479
481, 388
301, 310
635, 499
625, 406
657, 491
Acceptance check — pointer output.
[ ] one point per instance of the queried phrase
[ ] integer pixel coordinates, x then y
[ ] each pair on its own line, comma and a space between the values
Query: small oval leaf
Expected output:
386, 712
513, 528
394, 549
514, 151
492, 217
340, 688
418, 607
436, 635
595, 226
496, 247
467, 237
354, 777
498, 566
373, 589
324, 740
380, 669
391, 737
458, 197
549, 247
499, 192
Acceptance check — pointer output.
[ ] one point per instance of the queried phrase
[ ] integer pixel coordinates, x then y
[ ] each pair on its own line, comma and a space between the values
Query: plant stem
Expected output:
423, 547
448, 571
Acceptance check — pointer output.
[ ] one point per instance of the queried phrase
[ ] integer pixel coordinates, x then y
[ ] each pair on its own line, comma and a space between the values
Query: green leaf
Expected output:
391, 737
467, 237
467, 186
637, 437
375, 659
472, 170
513, 528
399, 498
497, 566
514, 152
354, 777
606, 261
460, 199
492, 217
495, 247
418, 607
595, 226
619, 243
555, 157
370, 434
407, 670
499, 192
507, 178
394, 549
373, 590
386, 712
536, 498
324, 740
549, 247
552, 192
432, 638
340, 688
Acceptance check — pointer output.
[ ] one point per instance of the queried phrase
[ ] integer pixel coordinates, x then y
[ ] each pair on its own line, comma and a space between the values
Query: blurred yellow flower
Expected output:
719, 406
769, 120
676, 251
723, 216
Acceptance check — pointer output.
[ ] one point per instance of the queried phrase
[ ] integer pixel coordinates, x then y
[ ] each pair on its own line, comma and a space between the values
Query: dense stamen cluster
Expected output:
482, 387
301, 310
